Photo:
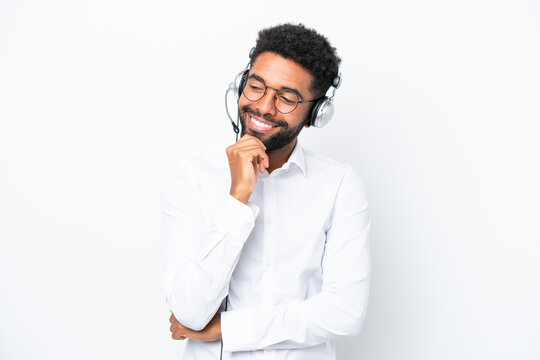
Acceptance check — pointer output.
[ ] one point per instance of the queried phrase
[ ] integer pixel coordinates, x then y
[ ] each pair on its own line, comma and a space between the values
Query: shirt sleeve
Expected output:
200, 254
339, 309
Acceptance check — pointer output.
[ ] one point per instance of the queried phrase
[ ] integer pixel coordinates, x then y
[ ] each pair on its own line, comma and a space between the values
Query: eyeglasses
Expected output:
285, 100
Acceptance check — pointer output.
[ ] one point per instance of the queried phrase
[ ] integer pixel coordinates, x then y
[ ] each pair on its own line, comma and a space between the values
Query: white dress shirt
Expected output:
294, 261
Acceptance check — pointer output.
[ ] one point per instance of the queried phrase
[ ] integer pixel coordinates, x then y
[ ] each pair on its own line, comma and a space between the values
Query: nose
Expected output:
266, 104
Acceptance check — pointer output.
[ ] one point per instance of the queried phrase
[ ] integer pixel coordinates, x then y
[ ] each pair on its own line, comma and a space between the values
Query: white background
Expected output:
439, 112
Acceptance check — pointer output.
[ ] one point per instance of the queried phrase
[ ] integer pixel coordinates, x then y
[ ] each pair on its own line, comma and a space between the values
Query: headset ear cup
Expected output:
315, 111
239, 83
243, 82
322, 112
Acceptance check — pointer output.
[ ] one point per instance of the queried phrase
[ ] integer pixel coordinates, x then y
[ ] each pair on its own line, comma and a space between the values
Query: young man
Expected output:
272, 232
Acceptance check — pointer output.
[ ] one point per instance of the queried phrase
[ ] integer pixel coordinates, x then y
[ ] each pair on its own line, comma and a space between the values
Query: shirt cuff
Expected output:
238, 329
258, 328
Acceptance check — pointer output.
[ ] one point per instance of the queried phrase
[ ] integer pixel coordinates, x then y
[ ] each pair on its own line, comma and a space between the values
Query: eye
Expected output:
287, 99
255, 87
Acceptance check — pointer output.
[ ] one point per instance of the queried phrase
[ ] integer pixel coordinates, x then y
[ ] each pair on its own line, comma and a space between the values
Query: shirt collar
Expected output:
297, 157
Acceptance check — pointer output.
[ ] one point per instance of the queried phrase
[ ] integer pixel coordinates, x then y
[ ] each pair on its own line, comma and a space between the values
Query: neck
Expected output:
280, 156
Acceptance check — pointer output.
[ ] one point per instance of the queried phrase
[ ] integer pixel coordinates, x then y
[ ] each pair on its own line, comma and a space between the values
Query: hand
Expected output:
212, 331
245, 158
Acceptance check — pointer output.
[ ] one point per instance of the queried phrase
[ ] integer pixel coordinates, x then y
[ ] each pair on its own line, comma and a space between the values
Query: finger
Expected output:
236, 150
248, 137
264, 162
178, 334
178, 337
172, 318
259, 159
249, 148
252, 153
175, 324
248, 144
255, 163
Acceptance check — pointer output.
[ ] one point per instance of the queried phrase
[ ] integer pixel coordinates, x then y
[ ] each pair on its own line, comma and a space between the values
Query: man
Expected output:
273, 233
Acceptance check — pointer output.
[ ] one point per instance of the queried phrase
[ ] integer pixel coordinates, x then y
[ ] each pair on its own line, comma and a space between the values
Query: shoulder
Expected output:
321, 164
344, 175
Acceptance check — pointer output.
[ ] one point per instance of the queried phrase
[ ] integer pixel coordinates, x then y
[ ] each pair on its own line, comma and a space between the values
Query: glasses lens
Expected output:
254, 89
286, 101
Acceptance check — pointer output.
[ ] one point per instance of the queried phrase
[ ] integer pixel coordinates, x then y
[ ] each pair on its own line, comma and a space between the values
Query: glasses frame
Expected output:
298, 101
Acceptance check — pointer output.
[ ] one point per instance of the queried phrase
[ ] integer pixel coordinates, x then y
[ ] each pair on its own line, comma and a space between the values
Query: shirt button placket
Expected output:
269, 241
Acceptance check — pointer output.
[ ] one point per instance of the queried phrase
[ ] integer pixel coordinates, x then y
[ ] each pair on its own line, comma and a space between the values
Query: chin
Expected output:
256, 134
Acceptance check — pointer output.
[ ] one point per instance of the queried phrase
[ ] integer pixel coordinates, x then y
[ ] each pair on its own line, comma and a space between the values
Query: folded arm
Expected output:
200, 254
338, 310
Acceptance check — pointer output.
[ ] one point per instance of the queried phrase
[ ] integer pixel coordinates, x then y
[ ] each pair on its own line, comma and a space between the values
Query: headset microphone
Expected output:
235, 126
237, 86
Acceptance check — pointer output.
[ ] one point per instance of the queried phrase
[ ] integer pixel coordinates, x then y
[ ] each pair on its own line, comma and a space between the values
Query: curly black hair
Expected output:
304, 46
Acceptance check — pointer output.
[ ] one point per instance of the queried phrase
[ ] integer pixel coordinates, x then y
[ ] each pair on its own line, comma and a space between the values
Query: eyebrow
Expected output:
257, 77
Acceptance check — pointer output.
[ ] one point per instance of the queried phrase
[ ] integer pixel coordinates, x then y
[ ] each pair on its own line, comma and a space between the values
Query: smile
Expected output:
259, 124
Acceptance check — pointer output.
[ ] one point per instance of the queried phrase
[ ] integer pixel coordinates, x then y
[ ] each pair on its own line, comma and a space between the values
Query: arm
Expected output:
338, 310
199, 258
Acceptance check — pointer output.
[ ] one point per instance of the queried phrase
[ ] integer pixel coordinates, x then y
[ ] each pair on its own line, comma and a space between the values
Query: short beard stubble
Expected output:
283, 137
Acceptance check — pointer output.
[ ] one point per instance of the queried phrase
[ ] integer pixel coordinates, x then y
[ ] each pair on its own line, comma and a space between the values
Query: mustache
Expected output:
266, 117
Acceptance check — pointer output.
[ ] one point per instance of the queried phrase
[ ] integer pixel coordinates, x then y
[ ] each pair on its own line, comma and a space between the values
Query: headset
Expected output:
321, 113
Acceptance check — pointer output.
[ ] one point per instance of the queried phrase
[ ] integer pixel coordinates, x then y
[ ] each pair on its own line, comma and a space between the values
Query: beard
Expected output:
284, 136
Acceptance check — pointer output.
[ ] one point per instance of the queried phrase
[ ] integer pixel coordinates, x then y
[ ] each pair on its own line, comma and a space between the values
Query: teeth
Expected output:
261, 124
